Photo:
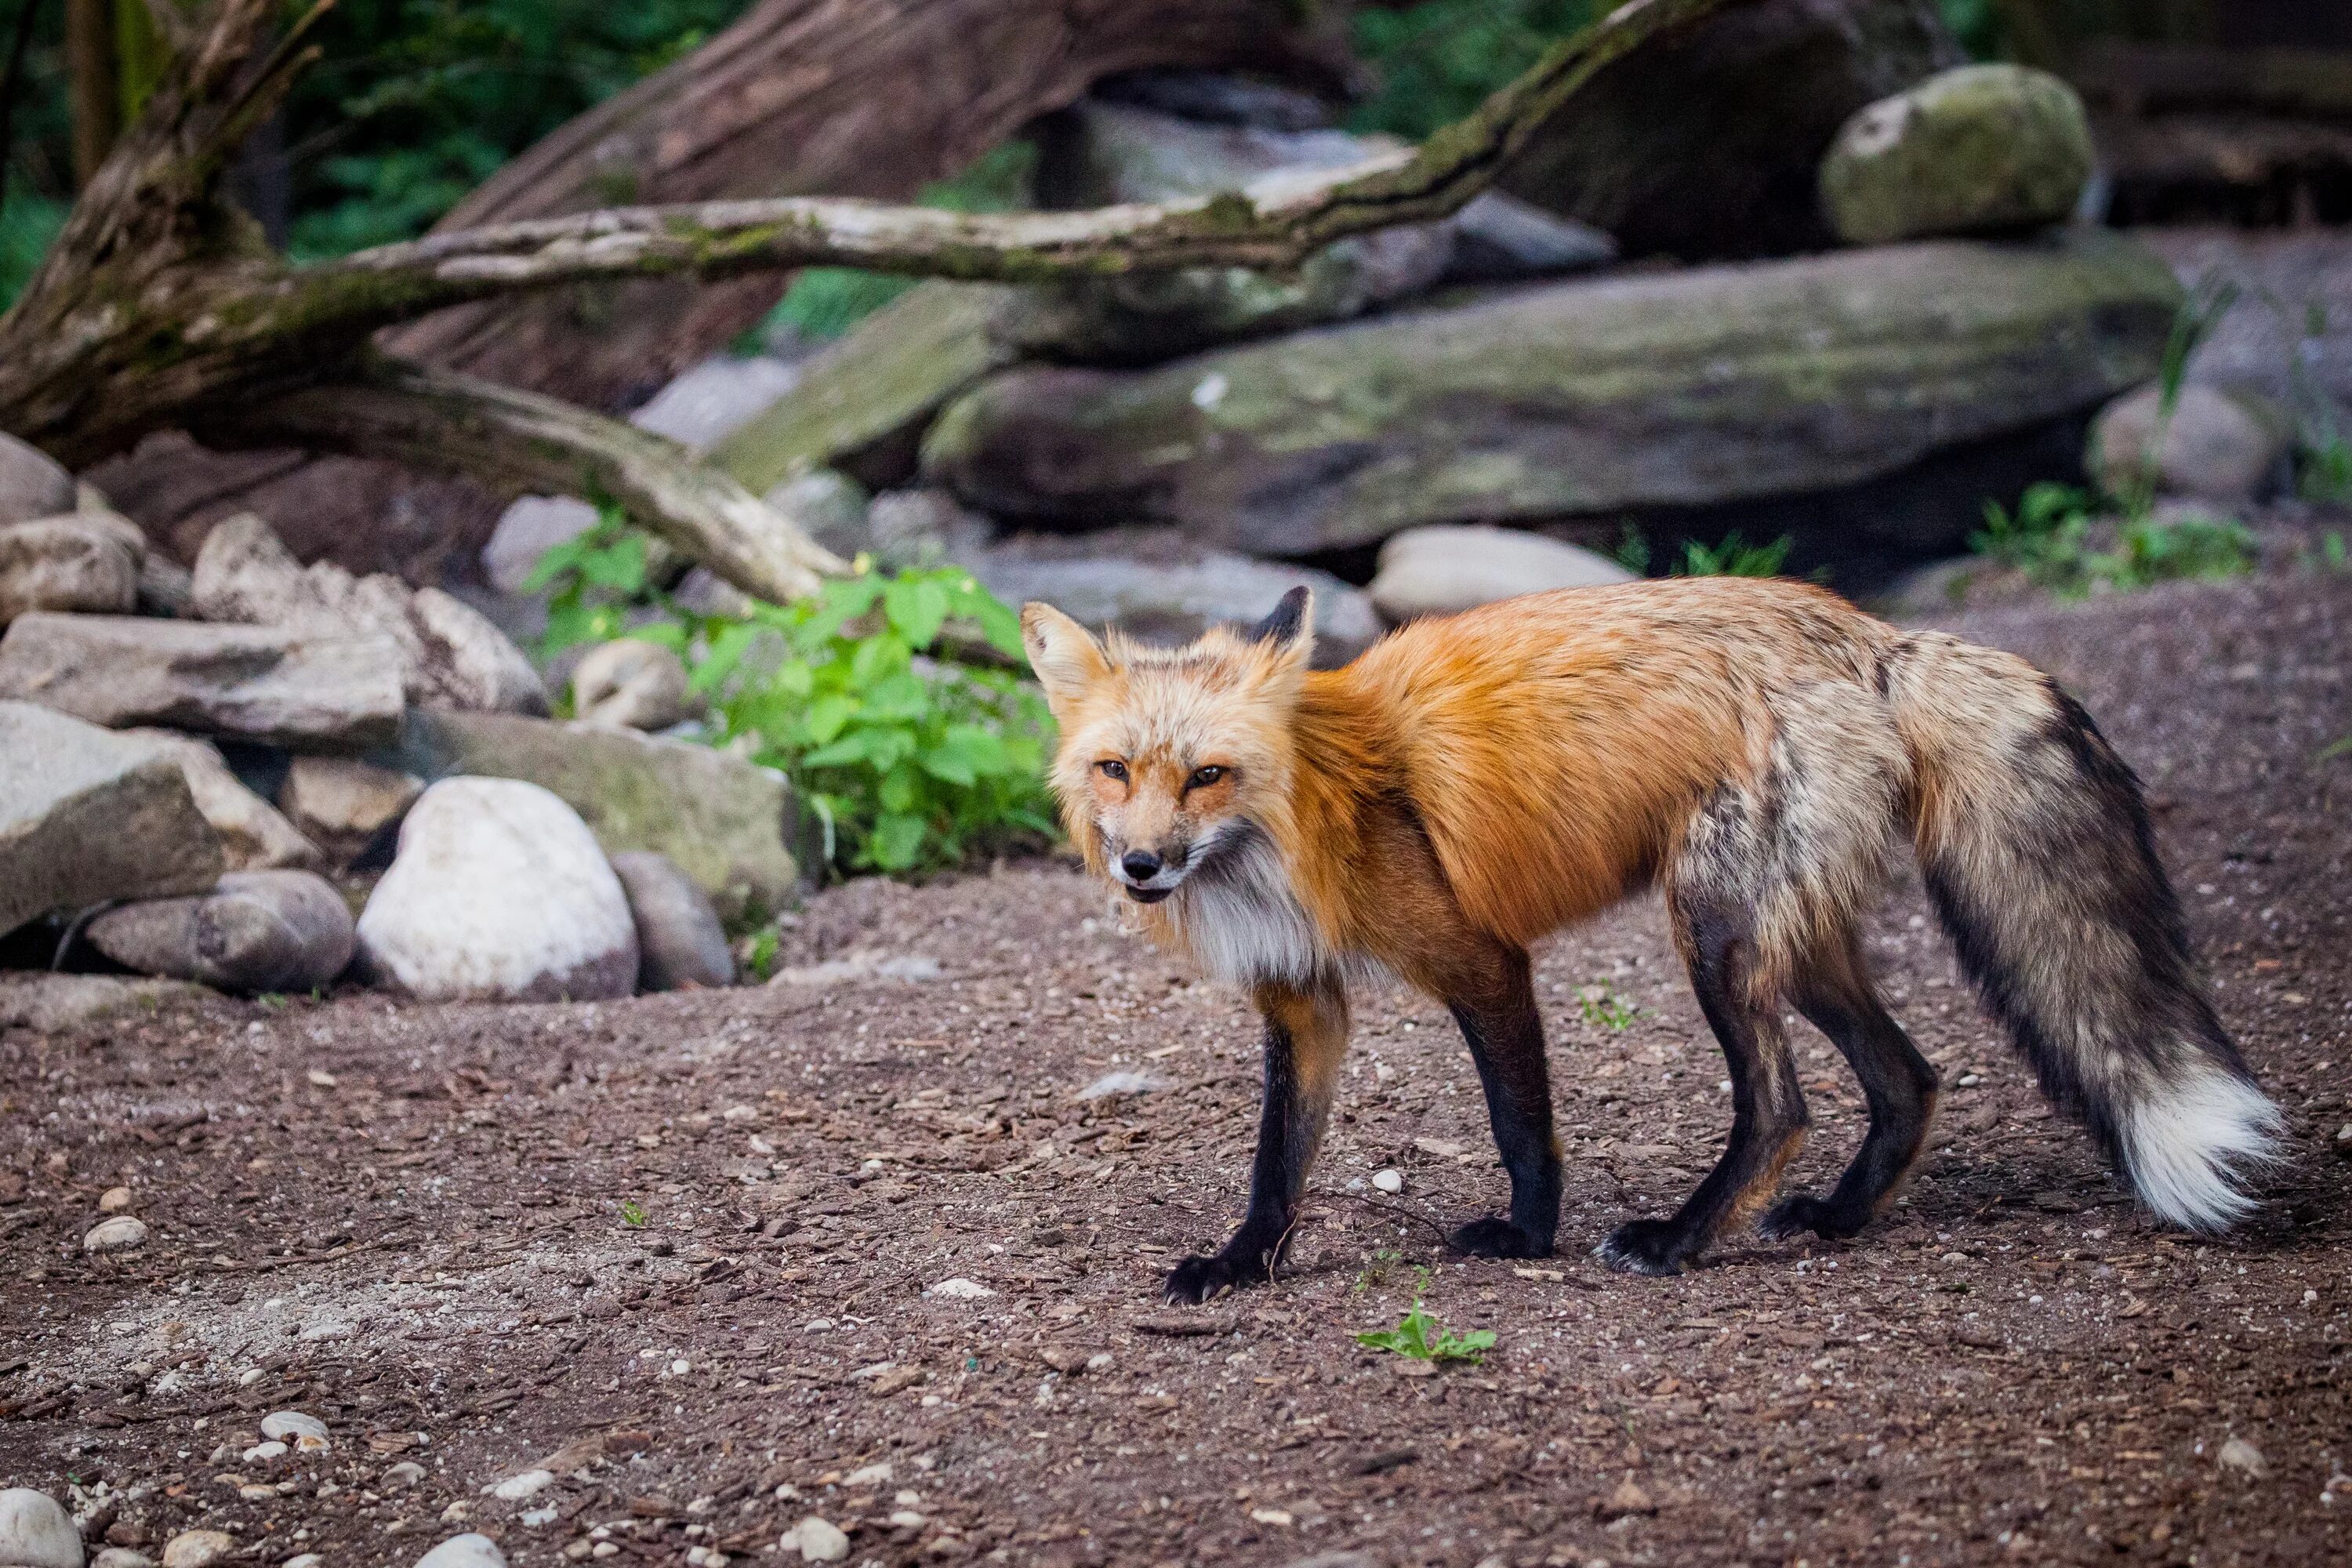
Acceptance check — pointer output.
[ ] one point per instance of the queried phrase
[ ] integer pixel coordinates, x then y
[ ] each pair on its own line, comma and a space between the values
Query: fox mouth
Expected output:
1145, 895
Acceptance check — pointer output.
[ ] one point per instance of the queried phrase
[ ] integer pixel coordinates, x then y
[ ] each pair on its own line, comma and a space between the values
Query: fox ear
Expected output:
1289, 633
1064, 654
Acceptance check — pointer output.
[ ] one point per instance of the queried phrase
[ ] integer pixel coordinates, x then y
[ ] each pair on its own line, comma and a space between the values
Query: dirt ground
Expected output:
683, 1249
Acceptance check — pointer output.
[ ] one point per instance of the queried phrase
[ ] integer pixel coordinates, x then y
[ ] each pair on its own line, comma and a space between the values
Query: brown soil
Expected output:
416, 1223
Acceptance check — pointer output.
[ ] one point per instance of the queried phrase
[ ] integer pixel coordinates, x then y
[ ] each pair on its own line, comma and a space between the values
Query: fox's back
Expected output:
1554, 744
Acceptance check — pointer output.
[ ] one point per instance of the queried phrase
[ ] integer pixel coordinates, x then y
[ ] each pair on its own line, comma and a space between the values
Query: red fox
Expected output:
1754, 748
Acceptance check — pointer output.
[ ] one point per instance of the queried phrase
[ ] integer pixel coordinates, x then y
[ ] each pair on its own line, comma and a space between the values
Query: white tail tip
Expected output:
2191, 1145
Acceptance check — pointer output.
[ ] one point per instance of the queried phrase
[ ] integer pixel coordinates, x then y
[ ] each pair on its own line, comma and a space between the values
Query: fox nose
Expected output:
1140, 864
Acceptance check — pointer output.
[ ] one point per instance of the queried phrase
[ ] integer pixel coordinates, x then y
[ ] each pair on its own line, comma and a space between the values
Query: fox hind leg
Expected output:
1306, 1037
1493, 998
1768, 1124
1897, 1083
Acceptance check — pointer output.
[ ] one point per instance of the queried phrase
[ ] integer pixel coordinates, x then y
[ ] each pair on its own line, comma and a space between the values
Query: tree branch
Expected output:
520, 443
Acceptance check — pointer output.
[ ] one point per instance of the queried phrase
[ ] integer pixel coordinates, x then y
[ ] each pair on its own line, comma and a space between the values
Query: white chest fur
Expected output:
1242, 923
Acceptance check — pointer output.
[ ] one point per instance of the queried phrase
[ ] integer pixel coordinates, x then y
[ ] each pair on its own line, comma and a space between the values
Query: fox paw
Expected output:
1496, 1237
1644, 1247
1795, 1215
1199, 1279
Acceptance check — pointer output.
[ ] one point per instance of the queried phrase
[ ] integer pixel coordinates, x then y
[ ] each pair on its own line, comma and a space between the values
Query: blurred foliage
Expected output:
1435, 61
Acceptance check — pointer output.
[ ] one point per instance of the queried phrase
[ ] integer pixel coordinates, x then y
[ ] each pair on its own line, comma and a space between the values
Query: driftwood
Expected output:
159, 308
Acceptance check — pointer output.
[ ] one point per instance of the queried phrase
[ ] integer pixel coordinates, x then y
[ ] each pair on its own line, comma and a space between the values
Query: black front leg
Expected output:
1305, 1036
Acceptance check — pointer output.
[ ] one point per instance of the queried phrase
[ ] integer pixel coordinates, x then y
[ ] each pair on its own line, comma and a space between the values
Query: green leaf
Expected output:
849, 749
897, 840
827, 715
918, 607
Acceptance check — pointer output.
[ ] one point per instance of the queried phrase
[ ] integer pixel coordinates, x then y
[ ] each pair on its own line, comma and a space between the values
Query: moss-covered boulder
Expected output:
1980, 150
1674, 389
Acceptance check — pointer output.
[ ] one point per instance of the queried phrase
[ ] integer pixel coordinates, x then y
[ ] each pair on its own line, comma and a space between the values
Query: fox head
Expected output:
1168, 754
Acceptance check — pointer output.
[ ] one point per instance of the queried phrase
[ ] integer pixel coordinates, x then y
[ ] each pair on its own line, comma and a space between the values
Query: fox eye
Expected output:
1203, 777
1112, 768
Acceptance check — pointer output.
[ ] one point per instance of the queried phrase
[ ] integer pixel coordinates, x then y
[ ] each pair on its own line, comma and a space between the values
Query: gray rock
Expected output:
737, 829
1440, 569
1501, 239
254, 836
1979, 149
1111, 152
1687, 388
861, 403
1706, 141
31, 483
344, 805
711, 401
1215, 97
60, 1003
122, 1557
252, 683
67, 564
165, 587
829, 505
526, 532
680, 943
923, 528
198, 1548
1162, 586
499, 892
469, 1550
2218, 446
449, 653
627, 684
122, 1233
35, 1531
86, 816
259, 931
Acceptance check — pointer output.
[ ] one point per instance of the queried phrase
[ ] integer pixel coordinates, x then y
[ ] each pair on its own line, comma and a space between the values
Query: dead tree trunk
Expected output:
159, 308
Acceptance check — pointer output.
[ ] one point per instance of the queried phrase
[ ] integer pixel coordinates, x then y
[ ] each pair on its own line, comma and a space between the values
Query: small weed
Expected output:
1633, 552
760, 958
1603, 1009
272, 1001
2326, 473
632, 1215
1734, 557
2335, 749
1424, 1338
2048, 538
2332, 555
1376, 1272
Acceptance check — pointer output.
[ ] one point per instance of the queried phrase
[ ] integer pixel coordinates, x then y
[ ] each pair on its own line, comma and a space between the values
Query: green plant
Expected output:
592, 582
759, 957
1421, 1337
2049, 539
1734, 557
1376, 1271
1633, 552
2045, 538
1604, 1009
1436, 61
632, 1215
2325, 472
2148, 552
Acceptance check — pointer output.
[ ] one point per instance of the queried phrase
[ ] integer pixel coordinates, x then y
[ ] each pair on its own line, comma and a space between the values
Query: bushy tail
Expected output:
2036, 849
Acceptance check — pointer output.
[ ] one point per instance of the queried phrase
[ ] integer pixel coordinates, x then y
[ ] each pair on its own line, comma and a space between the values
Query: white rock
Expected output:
122, 1557
35, 1531
711, 401
816, 1540
66, 563
870, 1476
1390, 1181
31, 483
406, 1473
468, 1551
262, 1453
1112, 1083
197, 1547
499, 892
306, 1432
1444, 568
121, 1234
631, 684
959, 1289
2237, 1454
304, 1560
526, 1484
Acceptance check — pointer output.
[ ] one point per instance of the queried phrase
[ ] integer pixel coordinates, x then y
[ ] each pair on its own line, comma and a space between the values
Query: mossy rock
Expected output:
1980, 150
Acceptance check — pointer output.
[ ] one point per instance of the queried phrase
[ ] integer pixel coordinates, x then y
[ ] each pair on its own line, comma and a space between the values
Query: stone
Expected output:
1706, 141
499, 892
524, 1484
87, 816
255, 836
681, 942
198, 1548
2242, 1456
1102, 154
1979, 149
711, 401
629, 684
122, 1557
61, 1004
119, 1232
1215, 97
258, 932
862, 963
1440, 569
526, 532
249, 683
66, 563
1502, 239
35, 1531
344, 805
114, 1200
1389, 1181
32, 484
305, 1432
1707, 385
2218, 446
468, 1551
165, 587
1123, 1083
959, 1289
861, 403
817, 1541
923, 528
736, 828
450, 654
1158, 585
829, 505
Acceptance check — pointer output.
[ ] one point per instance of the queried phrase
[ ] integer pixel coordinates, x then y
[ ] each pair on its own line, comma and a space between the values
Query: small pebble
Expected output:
303, 1560
2237, 1454
121, 1234
869, 1476
955, 1289
196, 1548
528, 1483
468, 1551
261, 1453
406, 1473
816, 1540
122, 1557
306, 1433
1390, 1181
114, 1200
